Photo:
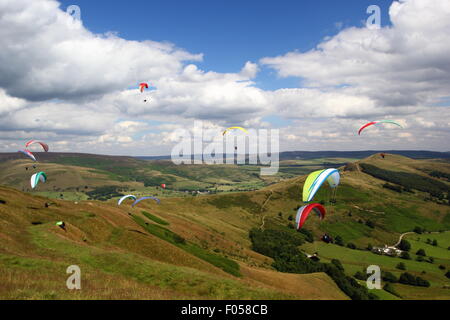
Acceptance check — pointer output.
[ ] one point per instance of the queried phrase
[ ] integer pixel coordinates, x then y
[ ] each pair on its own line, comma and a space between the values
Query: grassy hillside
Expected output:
119, 259
200, 245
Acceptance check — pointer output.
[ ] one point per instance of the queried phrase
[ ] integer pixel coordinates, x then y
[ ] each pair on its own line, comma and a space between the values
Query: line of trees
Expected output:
409, 181
104, 193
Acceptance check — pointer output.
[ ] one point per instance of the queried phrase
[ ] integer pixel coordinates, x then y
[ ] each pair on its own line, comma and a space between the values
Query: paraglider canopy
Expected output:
35, 178
43, 145
126, 197
143, 86
163, 186
316, 179
377, 122
304, 212
61, 224
28, 154
234, 128
146, 198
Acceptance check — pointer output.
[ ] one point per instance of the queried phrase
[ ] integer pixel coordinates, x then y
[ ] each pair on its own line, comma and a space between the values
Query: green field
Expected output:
358, 260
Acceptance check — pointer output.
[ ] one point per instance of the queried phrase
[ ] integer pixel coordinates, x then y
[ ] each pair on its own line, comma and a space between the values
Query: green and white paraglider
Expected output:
35, 178
315, 181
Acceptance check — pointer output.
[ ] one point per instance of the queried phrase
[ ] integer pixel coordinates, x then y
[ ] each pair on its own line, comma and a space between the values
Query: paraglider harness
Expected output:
327, 239
62, 225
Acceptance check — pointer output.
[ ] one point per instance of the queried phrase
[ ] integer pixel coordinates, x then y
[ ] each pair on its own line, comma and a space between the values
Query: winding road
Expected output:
406, 233
401, 238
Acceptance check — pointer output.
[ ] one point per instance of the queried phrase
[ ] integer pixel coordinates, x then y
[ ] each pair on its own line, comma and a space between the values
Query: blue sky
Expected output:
231, 32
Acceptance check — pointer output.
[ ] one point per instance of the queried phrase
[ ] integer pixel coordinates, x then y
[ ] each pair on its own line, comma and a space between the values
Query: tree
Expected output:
360, 276
435, 243
351, 246
370, 224
390, 288
407, 278
405, 255
339, 241
404, 245
421, 252
309, 236
389, 277
401, 266
369, 247
338, 264
418, 230
448, 274
422, 282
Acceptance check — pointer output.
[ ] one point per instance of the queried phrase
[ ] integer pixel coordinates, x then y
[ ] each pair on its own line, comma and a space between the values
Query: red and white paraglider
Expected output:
28, 154
304, 212
373, 123
30, 143
43, 145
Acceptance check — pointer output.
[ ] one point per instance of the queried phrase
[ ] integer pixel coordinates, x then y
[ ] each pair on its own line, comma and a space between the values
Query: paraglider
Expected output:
35, 178
28, 154
43, 145
235, 128
143, 86
377, 122
316, 179
62, 225
126, 197
145, 198
163, 186
304, 212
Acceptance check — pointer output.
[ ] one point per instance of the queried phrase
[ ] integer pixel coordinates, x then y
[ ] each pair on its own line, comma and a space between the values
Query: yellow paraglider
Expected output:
235, 128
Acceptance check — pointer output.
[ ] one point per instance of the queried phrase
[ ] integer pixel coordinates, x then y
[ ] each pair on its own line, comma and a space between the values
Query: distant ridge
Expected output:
288, 155
292, 155
414, 154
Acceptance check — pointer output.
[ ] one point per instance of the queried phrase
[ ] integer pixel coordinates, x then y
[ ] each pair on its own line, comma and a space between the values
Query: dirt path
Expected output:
401, 238
411, 232
371, 211
263, 222
262, 208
